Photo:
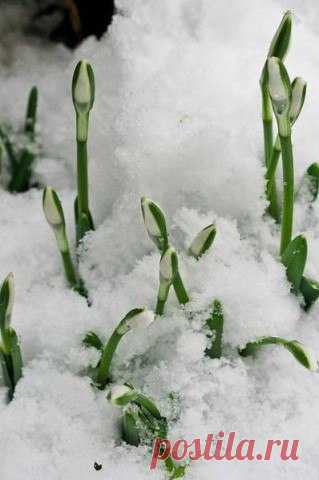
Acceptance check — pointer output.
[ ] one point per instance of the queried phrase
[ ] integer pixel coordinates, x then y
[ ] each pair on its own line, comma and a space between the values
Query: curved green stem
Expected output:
106, 359
288, 199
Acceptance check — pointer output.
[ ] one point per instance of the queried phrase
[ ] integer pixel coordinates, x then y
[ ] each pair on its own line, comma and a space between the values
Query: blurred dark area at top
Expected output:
70, 21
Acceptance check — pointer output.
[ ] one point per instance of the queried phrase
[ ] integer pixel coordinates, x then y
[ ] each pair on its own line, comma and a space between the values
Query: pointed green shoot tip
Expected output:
313, 180
52, 208
298, 89
294, 259
310, 291
155, 223
300, 352
203, 241
6, 301
31, 113
280, 43
83, 88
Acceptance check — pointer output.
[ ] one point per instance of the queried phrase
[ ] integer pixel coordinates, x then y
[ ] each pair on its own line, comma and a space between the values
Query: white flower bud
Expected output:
280, 93
137, 318
168, 265
83, 87
120, 395
299, 87
52, 208
54, 214
155, 224
203, 241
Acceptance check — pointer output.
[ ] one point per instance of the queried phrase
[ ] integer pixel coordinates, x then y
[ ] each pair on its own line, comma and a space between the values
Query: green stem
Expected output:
162, 297
82, 176
272, 167
268, 140
288, 196
268, 148
216, 324
180, 290
106, 359
69, 269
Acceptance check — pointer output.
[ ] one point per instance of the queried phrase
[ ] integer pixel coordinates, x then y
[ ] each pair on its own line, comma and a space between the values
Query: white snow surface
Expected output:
176, 118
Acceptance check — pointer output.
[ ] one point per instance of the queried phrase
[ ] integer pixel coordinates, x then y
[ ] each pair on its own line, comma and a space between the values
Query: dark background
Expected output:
68, 21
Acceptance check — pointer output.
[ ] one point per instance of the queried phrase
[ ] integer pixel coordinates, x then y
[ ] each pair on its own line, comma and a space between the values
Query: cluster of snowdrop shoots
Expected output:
141, 420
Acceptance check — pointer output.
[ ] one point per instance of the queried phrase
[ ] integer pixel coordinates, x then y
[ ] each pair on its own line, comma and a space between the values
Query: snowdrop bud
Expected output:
121, 395
83, 87
203, 241
303, 355
52, 208
55, 217
136, 318
6, 301
298, 89
155, 223
280, 93
168, 265
281, 40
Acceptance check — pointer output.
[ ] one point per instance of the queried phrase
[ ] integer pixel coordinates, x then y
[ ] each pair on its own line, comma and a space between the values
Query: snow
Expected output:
176, 118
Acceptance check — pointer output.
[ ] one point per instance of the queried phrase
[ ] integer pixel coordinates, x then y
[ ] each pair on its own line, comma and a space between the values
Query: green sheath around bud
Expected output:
155, 223
280, 43
280, 93
6, 301
169, 275
10, 354
297, 349
168, 269
202, 242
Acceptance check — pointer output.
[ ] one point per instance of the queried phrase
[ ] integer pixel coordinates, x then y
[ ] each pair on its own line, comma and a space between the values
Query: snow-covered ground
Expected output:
176, 118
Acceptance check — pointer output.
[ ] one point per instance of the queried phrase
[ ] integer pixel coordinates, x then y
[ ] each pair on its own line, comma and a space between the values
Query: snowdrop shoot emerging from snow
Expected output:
280, 93
278, 48
21, 147
53, 212
202, 242
136, 318
83, 93
10, 354
300, 352
155, 223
